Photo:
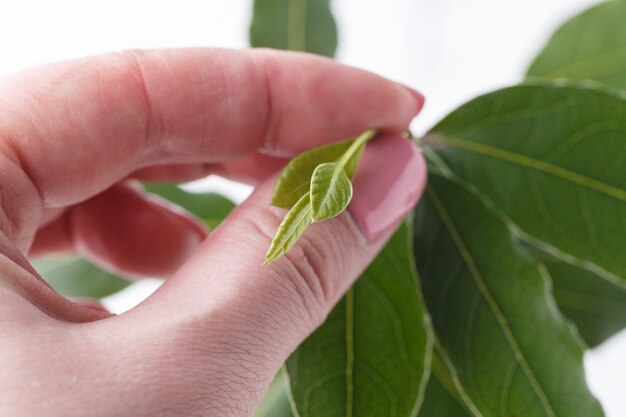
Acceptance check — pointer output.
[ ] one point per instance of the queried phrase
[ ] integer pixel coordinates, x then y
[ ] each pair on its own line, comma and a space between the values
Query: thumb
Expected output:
224, 308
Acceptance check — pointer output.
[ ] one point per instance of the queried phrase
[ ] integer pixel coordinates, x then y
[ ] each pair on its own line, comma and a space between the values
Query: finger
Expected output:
125, 231
251, 170
231, 318
111, 115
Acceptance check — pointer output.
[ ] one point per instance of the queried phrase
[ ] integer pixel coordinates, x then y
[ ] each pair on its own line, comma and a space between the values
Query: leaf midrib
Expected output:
296, 25
536, 164
491, 302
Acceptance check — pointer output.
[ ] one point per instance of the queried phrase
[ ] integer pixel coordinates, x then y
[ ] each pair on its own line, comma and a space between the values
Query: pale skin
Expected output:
75, 137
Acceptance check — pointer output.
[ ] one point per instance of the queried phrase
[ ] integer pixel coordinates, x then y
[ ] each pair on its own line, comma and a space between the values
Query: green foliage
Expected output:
540, 162
550, 158
297, 25
73, 276
510, 351
322, 176
295, 178
371, 355
591, 46
291, 229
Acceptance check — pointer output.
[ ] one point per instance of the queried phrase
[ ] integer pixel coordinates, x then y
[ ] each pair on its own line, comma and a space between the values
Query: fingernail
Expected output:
388, 183
419, 97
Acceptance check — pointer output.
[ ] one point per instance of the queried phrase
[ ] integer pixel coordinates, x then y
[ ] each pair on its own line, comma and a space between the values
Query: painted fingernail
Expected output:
419, 97
388, 183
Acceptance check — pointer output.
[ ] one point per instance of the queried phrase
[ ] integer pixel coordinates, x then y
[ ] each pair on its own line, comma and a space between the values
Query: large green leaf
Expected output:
371, 356
212, 208
297, 25
591, 46
596, 306
510, 350
73, 276
551, 158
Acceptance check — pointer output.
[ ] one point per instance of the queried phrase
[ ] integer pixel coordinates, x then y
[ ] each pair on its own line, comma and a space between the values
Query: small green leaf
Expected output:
331, 191
297, 25
73, 276
291, 229
371, 356
590, 46
509, 350
295, 178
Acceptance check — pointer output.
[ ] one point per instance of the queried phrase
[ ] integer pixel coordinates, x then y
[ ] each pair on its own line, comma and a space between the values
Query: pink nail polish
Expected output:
388, 183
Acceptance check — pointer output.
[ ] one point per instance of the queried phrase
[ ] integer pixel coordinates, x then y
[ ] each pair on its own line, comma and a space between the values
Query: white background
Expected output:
451, 50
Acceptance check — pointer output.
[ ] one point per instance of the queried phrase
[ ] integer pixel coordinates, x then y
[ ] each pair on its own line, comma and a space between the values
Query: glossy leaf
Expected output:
276, 400
596, 306
291, 229
297, 25
370, 357
510, 351
295, 178
212, 208
590, 46
73, 276
550, 158
331, 191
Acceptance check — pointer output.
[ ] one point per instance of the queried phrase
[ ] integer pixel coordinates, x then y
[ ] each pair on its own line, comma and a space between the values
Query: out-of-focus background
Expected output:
451, 50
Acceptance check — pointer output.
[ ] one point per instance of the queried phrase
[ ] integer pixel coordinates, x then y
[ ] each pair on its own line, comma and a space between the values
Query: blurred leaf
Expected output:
276, 400
550, 158
290, 229
509, 350
370, 357
295, 178
212, 208
73, 276
590, 46
596, 306
297, 25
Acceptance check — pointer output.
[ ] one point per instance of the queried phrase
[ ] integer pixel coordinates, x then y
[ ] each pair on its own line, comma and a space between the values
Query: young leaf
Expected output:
297, 25
551, 158
73, 276
591, 46
295, 178
291, 229
371, 356
331, 191
509, 350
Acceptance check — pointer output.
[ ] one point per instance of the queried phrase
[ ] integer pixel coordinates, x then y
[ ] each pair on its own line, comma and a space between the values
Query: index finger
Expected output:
70, 130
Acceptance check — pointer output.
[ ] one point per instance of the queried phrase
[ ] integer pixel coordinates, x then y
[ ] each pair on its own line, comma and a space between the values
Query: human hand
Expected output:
74, 135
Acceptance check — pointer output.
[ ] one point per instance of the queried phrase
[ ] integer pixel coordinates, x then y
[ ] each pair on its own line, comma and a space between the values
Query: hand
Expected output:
74, 136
